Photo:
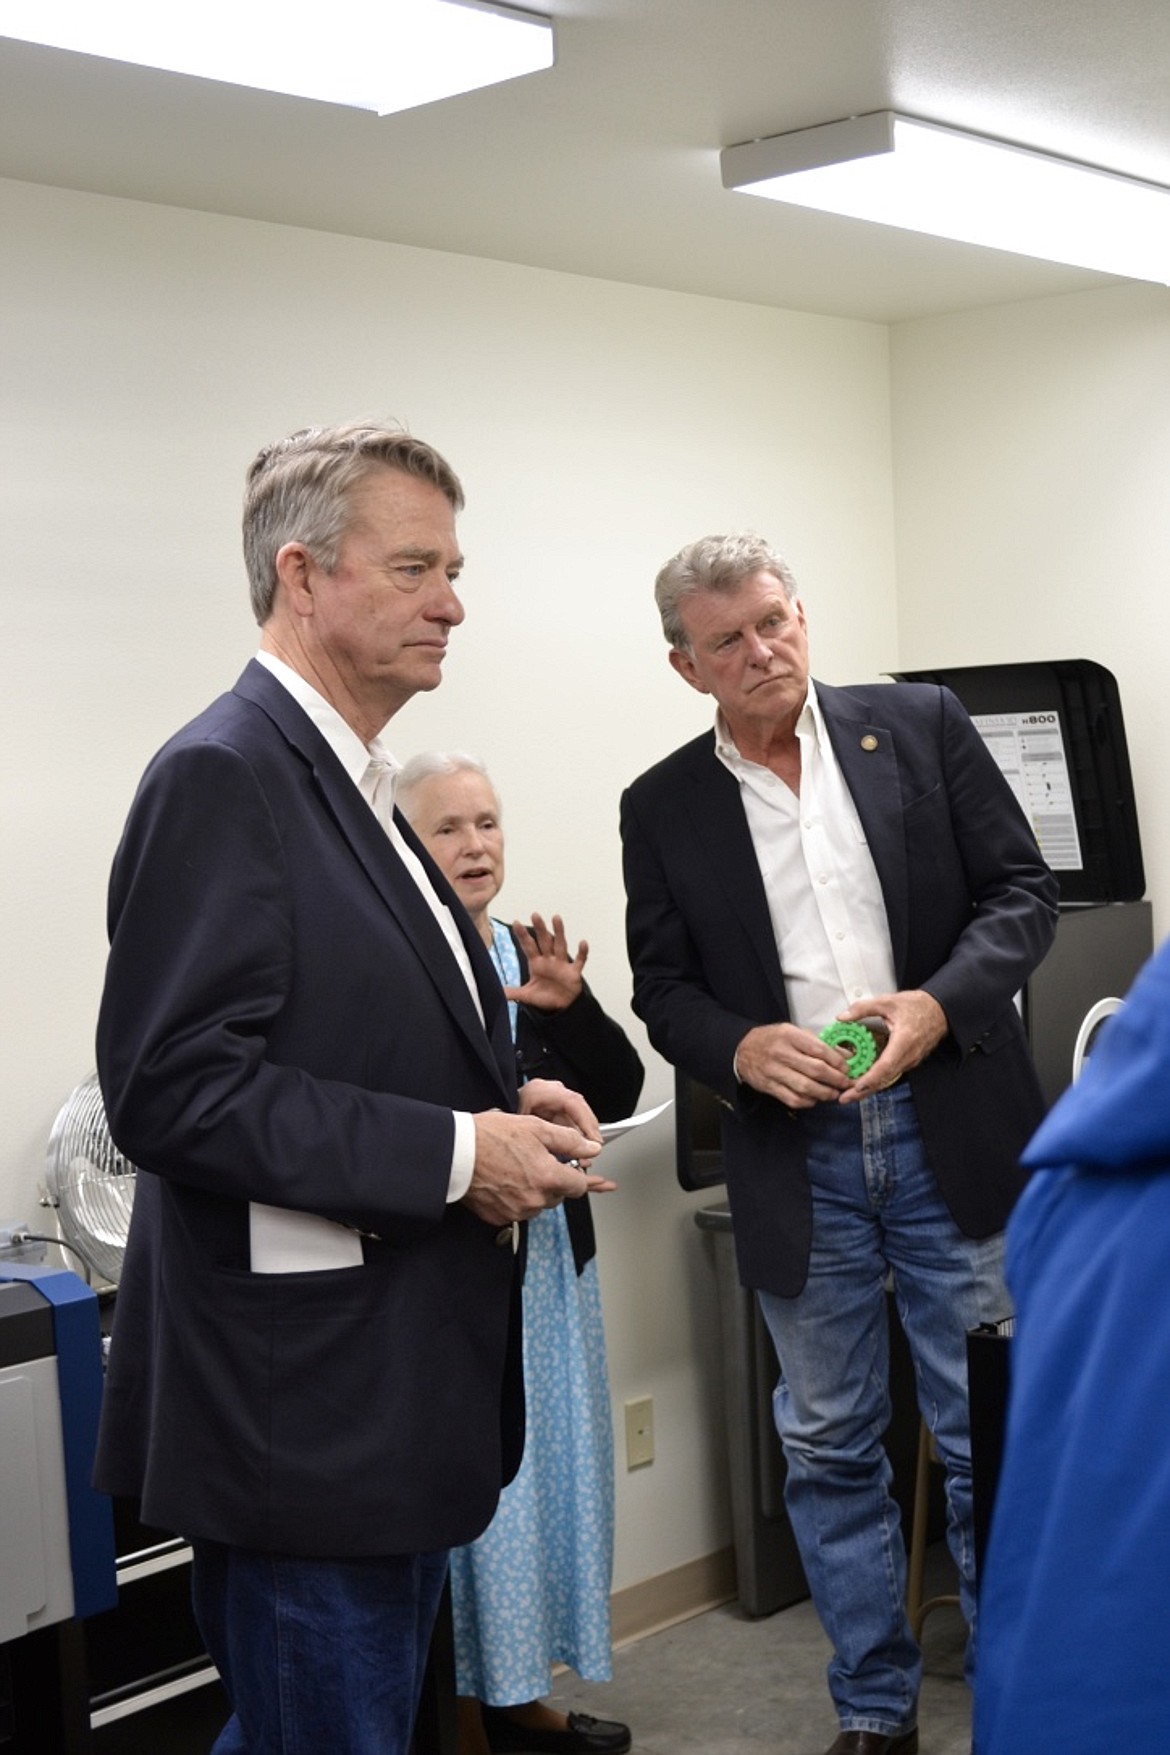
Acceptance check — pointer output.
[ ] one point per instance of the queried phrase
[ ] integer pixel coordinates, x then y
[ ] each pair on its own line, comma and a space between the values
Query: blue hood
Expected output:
1117, 1115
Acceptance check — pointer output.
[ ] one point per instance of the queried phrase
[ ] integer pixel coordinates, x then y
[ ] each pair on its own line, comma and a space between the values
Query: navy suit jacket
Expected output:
971, 910
283, 1022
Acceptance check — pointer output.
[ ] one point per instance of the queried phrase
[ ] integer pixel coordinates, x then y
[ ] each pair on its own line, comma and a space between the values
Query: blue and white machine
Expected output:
56, 1533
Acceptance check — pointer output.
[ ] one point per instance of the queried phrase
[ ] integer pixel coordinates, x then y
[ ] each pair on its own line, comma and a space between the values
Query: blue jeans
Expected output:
876, 1210
317, 1655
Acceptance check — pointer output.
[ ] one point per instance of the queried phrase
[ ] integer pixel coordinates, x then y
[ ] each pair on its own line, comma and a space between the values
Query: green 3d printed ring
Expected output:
858, 1039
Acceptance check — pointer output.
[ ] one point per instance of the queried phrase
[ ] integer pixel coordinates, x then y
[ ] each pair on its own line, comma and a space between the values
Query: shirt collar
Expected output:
810, 723
342, 739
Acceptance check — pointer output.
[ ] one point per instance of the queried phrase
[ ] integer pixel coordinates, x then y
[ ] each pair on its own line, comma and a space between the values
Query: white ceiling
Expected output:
608, 164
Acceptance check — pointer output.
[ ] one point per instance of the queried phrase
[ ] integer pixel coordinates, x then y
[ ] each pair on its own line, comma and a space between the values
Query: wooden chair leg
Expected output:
916, 1609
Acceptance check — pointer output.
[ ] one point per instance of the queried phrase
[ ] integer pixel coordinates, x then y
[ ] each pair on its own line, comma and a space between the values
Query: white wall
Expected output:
1032, 472
146, 354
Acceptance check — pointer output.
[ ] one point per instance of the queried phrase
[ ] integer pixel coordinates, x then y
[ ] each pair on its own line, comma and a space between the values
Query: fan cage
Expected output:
90, 1182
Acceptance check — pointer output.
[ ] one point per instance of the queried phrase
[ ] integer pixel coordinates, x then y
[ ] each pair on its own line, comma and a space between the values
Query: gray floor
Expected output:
721, 1684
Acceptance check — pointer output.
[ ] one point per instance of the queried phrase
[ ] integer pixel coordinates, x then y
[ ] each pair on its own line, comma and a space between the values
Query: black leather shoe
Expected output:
875, 1743
585, 1735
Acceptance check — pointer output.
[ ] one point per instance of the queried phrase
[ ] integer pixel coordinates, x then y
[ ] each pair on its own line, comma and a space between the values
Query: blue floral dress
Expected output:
534, 1589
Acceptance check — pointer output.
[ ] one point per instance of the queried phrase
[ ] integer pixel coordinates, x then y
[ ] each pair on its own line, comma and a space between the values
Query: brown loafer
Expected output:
875, 1743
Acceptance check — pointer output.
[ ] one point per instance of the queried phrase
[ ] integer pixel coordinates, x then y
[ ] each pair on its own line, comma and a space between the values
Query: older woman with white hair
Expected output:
534, 1589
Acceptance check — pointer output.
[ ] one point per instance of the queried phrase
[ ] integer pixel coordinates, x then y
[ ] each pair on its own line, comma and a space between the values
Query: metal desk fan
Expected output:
89, 1182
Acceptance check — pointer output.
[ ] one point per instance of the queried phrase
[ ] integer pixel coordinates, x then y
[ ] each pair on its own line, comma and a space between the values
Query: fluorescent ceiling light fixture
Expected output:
923, 177
378, 55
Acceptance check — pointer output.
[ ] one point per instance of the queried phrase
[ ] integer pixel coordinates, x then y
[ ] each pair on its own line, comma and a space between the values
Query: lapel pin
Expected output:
869, 741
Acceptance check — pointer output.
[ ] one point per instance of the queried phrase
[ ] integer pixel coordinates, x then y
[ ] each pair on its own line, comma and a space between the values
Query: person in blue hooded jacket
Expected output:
1075, 1600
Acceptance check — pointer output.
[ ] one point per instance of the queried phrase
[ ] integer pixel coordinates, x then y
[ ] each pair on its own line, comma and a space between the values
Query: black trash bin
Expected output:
770, 1575
768, 1569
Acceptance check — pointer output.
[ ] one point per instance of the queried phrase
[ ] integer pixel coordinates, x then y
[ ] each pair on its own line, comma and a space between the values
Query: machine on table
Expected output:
56, 1533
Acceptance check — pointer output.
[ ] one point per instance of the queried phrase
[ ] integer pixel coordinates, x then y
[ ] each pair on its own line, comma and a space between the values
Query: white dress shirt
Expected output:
828, 913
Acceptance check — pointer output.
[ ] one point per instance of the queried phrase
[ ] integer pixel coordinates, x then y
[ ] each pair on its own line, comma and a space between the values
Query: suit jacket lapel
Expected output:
721, 832
369, 843
866, 752
487, 980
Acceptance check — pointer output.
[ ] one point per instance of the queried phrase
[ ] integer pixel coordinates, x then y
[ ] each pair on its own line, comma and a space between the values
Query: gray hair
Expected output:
430, 765
300, 490
718, 564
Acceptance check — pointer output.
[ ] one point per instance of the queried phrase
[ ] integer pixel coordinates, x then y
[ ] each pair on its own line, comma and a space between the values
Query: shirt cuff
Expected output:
462, 1156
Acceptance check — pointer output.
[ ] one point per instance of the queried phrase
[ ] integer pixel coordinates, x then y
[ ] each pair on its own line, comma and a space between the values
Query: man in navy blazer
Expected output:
314, 1371
843, 854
